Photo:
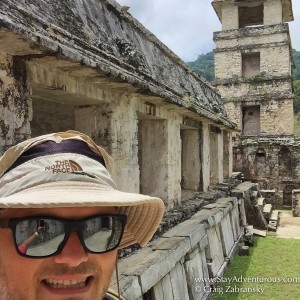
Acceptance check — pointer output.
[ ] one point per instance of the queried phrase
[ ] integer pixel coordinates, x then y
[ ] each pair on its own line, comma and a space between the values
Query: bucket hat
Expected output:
68, 169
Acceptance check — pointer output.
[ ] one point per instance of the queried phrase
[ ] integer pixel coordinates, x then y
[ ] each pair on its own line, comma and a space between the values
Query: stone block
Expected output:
235, 224
272, 226
192, 229
179, 282
129, 285
267, 211
162, 290
274, 215
217, 216
226, 235
225, 208
210, 206
204, 216
151, 266
244, 251
248, 239
194, 269
259, 232
242, 212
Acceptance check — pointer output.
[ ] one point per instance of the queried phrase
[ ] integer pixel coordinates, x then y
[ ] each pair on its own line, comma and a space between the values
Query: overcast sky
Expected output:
187, 26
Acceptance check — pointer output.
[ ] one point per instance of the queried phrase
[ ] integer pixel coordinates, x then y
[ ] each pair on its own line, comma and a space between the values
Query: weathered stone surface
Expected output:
244, 251
192, 229
163, 289
259, 232
267, 211
274, 215
194, 269
114, 44
296, 203
15, 102
226, 235
214, 252
179, 282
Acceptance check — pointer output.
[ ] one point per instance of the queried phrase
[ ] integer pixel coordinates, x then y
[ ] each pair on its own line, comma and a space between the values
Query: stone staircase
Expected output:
258, 205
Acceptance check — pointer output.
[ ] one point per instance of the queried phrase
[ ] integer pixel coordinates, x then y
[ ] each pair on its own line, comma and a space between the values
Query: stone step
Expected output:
274, 215
264, 192
258, 232
261, 202
267, 211
272, 226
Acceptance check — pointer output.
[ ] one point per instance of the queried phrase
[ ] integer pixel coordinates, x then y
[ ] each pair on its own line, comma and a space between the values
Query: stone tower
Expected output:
253, 64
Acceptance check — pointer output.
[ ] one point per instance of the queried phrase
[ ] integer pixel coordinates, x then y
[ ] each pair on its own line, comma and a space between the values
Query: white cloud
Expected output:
187, 26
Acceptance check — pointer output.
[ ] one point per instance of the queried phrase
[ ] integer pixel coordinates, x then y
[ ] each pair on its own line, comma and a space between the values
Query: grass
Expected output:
271, 259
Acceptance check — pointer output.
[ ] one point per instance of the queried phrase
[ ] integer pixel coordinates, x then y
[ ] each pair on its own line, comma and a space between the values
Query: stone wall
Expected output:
92, 67
270, 86
276, 116
270, 11
273, 162
296, 203
15, 101
103, 40
195, 250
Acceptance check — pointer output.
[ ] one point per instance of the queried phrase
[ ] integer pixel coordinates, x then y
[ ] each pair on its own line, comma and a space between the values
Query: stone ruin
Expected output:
92, 67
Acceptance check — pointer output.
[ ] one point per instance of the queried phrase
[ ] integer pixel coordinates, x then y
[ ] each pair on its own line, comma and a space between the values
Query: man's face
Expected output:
24, 278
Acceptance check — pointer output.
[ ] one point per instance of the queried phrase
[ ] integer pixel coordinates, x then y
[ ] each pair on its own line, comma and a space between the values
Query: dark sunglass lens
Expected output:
39, 237
102, 233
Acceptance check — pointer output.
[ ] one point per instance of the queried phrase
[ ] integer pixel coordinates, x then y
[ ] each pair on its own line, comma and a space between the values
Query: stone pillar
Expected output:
226, 154
191, 164
214, 154
153, 157
113, 125
124, 142
230, 154
15, 101
220, 157
205, 156
174, 159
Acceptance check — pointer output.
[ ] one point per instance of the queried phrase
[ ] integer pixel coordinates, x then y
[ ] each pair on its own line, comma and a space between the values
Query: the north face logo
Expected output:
64, 166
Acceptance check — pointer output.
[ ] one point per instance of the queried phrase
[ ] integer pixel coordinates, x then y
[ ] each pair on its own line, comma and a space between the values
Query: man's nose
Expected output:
73, 254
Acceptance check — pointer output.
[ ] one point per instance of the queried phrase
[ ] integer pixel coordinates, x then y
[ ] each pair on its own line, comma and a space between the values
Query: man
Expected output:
62, 219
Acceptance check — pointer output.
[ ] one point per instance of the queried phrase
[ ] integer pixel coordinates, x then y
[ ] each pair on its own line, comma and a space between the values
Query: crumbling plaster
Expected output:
15, 104
269, 170
113, 44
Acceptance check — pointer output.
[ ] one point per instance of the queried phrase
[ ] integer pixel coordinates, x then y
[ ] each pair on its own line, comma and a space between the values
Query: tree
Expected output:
296, 85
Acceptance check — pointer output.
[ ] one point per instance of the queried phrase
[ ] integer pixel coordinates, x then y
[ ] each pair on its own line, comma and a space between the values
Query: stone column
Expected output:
15, 101
174, 160
205, 156
191, 164
230, 154
220, 157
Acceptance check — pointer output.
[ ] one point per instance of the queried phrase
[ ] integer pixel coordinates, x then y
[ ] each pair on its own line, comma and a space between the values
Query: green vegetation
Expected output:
296, 65
271, 259
204, 65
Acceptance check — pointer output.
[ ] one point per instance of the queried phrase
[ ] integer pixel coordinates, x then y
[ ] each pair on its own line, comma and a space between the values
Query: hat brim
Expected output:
144, 213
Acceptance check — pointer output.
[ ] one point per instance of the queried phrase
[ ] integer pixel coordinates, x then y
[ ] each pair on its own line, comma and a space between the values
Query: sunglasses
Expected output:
40, 237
